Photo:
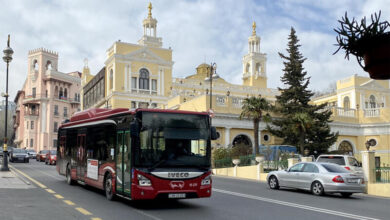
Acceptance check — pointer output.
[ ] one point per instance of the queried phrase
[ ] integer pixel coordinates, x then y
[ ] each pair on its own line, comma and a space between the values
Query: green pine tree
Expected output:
298, 122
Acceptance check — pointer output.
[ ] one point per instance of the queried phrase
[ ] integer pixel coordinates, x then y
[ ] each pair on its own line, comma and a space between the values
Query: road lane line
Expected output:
83, 211
96, 219
50, 191
69, 202
58, 196
30, 178
310, 208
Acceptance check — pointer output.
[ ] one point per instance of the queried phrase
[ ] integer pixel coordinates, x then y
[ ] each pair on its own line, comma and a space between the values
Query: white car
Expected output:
348, 162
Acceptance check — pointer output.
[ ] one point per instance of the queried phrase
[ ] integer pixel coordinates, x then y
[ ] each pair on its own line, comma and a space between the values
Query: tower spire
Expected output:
254, 29
150, 10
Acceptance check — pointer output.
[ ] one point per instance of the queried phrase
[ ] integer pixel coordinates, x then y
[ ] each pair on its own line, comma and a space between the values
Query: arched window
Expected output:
248, 66
56, 91
346, 103
111, 79
258, 67
35, 65
48, 65
61, 94
372, 101
66, 93
144, 79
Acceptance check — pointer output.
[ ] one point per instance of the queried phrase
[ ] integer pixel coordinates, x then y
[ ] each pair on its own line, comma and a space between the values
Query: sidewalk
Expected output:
11, 180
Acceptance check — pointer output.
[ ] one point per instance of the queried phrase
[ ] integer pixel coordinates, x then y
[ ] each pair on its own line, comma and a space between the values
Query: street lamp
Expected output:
7, 58
212, 75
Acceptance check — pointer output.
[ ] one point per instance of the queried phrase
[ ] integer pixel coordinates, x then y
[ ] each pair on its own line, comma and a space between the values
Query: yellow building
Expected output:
135, 75
361, 112
140, 76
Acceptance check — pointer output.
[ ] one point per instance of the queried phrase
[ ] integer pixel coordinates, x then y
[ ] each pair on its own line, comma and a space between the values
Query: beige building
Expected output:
46, 98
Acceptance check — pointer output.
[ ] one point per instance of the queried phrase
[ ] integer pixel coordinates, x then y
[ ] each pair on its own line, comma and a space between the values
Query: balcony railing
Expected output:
370, 113
346, 112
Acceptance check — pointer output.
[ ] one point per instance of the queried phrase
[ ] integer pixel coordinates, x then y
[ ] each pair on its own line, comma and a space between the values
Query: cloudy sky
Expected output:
197, 30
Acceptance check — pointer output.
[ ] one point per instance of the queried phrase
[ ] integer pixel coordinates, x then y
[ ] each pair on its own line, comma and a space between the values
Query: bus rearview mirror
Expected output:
214, 133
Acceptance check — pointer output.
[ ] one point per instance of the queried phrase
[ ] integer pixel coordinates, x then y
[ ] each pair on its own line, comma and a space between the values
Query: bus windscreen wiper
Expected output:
154, 166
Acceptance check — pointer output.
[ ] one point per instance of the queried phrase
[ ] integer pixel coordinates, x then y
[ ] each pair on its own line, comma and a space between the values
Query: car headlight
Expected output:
52, 157
206, 180
143, 181
27, 155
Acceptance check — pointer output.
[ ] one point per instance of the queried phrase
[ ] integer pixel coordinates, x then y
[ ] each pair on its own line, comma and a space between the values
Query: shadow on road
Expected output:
326, 195
158, 204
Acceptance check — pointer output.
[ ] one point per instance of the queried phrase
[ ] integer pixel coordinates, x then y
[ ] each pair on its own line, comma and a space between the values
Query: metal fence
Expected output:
382, 174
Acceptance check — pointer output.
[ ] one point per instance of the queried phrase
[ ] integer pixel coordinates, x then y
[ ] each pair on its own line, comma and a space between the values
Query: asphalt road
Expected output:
231, 199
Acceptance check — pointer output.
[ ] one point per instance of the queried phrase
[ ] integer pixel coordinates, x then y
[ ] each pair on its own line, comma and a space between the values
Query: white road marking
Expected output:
290, 204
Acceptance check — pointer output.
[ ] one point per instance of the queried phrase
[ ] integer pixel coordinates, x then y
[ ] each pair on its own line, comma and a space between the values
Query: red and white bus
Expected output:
138, 154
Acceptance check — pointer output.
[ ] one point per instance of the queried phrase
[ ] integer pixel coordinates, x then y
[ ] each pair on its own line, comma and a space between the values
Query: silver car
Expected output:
319, 178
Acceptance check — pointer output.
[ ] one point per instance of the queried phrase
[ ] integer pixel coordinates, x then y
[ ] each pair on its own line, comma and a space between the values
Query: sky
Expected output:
198, 31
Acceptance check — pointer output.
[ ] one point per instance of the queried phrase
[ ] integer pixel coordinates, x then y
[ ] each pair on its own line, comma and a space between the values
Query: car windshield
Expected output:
16, 150
44, 151
334, 168
53, 152
173, 140
332, 159
31, 151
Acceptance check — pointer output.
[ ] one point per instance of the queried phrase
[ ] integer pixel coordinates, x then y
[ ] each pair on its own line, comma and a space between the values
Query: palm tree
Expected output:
253, 108
301, 123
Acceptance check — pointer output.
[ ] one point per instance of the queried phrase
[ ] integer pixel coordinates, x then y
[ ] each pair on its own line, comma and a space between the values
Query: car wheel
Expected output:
346, 195
68, 176
108, 187
317, 188
273, 182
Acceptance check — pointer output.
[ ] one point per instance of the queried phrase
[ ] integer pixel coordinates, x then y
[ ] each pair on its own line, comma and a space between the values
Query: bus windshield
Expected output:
173, 140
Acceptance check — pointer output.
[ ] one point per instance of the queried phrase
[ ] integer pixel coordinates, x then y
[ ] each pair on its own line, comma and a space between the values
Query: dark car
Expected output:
18, 154
32, 153
41, 156
51, 157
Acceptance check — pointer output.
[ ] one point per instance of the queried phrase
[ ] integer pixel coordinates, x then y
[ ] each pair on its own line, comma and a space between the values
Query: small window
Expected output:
266, 137
154, 84
32, 125
27, 125
34, 92
133, 104
54, 143
111, 79
56, 113
65, 112
134, 82
31, 143
55, 127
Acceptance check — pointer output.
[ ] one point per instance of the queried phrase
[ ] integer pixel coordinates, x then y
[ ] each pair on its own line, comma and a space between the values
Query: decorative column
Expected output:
368, 164
227, 137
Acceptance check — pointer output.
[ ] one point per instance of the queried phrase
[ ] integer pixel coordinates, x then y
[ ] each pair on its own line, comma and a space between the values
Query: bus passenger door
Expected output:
81, 157
123, 175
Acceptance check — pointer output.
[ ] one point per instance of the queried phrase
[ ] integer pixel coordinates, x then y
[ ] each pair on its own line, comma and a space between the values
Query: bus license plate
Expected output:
176, 195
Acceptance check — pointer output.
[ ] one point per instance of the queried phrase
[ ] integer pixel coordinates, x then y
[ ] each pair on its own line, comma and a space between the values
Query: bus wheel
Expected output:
68, 176
108, 187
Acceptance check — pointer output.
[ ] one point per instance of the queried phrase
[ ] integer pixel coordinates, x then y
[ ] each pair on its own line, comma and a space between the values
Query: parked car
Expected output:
346, 161
18, 154
319, 178
32, 153
51, 157
41, 155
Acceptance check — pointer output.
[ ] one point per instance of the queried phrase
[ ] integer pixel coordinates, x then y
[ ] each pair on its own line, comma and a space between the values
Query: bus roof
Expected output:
95, 114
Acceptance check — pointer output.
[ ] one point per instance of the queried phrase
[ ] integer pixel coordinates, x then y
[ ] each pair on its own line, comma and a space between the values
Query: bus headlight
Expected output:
143, 181
206, 180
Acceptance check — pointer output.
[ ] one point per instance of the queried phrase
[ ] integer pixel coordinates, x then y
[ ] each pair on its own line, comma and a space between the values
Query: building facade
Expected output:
140, 76
361, 112
46, 99
135, 75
